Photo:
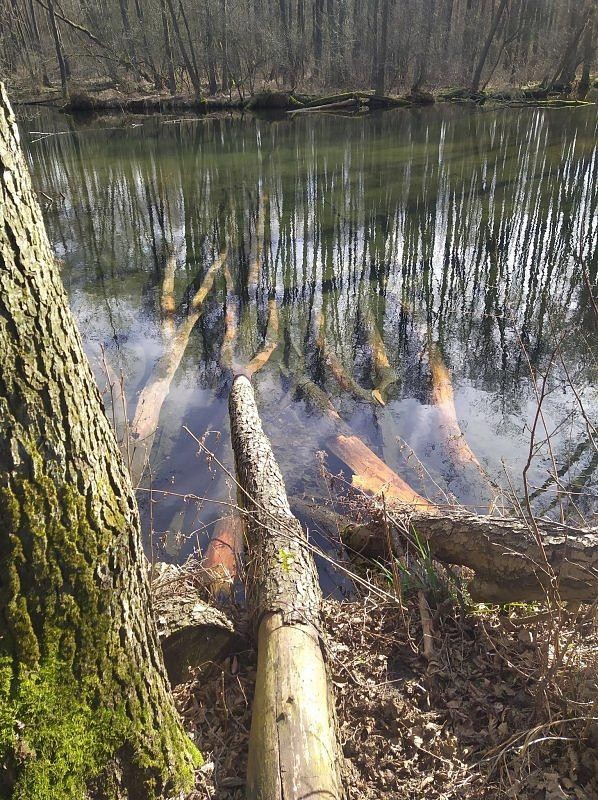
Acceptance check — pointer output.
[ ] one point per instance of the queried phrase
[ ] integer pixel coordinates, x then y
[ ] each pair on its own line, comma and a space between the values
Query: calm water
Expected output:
464, 230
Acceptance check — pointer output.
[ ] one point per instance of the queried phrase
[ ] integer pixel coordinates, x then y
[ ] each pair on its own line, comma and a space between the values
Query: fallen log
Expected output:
388, 101
443, 399
513, 559
193, 635
257, 247
370, 473
223, 555
352, 103
346, 381
227, 349
261, 358
331, 99
384, 373
155, 391
167, 302
293, 745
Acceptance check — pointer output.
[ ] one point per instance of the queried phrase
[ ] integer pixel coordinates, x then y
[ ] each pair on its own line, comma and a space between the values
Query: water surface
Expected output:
469, 232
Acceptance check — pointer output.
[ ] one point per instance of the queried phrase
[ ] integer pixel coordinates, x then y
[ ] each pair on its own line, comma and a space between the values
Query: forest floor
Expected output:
506, 707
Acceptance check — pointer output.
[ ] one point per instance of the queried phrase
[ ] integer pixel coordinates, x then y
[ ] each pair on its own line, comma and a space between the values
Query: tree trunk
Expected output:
84, 701
210, 57
193, 76
477, 75
168, 48
130, 44
293, 745
382, 49
565, 72
588, 56
62, 66
317, 33
38, 43
158, 79
225, 75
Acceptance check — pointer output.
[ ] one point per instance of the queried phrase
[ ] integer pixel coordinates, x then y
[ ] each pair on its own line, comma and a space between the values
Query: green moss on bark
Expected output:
84, 701
59, 726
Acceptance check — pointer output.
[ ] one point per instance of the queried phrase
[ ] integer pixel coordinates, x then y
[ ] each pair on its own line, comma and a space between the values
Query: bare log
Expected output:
262, 357
154, 393
293, 744
513, 559
167, 300
351, 104
223, 555
370, 473
444, 399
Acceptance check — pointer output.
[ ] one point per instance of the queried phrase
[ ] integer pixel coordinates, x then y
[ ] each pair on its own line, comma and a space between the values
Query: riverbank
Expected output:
94, 99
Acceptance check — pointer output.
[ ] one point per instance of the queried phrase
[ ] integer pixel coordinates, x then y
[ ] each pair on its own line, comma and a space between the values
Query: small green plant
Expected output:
286, 559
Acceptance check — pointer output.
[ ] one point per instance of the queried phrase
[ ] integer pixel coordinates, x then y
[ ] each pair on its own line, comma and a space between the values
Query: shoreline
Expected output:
89, 101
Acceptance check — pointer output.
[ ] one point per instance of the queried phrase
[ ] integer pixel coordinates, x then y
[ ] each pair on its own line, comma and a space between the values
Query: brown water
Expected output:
462, 231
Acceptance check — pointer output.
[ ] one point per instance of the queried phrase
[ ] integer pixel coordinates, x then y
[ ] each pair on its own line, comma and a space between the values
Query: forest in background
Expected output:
236, 47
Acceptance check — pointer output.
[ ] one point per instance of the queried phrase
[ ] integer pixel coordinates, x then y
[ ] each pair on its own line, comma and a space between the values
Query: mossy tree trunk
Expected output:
85, 707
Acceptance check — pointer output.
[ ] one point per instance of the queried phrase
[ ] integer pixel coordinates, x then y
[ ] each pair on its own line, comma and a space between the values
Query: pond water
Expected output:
362, 245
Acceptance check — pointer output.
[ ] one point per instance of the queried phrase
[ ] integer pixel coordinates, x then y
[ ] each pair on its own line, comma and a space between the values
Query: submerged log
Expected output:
370, 473
513, 559
444, 399
262, 357
155, 391
257, 247
227, 349
293, 745
167, 303
384, 373
346, 381
223, 556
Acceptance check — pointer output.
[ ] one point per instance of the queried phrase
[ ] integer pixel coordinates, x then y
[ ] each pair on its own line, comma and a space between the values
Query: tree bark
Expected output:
384, 374
59, 51
588, 57
443, 399
84, 701
477, 75
223, 555
168, 48
293, 744
382, 49
193, 76
512, 562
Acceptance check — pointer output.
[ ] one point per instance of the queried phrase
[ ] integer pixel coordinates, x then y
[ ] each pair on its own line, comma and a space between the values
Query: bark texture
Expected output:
193, 635
293, 746
512, 559
85, 706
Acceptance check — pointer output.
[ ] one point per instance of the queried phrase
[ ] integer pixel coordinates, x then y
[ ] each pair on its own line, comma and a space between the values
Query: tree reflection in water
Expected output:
461, 232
